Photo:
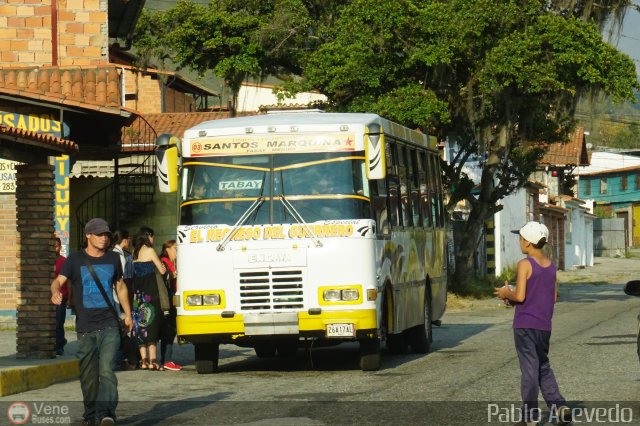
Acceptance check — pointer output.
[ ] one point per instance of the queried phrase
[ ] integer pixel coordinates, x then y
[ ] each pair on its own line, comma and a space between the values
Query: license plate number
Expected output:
340, 330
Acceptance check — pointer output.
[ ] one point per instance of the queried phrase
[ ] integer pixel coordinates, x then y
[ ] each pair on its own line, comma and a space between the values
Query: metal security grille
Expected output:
271, 290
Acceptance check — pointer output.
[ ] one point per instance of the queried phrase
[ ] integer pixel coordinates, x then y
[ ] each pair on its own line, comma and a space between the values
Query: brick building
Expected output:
65, 88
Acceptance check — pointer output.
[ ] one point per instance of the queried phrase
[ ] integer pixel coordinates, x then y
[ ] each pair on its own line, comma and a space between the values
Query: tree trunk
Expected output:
467, 244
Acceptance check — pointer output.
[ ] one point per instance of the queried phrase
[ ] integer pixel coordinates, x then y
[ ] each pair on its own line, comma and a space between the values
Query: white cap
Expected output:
533, 232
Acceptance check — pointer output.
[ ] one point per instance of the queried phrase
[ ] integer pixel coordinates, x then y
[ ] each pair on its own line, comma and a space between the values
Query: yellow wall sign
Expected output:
271, 144
38, 123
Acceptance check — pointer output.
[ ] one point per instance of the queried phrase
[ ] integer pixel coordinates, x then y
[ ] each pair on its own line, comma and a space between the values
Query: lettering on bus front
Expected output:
272, 144
274, 232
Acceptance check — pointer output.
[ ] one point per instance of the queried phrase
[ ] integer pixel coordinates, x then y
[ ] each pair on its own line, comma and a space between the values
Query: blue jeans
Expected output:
97, 352
537, 376
61, 316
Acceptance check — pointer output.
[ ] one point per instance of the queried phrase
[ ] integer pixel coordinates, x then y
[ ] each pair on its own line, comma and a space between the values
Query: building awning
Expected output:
24, 146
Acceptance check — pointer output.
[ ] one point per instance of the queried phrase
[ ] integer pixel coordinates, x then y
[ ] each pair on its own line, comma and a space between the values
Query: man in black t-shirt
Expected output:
96, 319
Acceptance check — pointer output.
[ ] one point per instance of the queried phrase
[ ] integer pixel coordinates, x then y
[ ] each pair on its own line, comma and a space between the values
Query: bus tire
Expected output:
420, 336
370, 357
265, 350
206, 357
287, 348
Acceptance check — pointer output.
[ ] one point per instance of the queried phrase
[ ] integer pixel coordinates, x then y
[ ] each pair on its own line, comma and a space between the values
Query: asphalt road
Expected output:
470, 377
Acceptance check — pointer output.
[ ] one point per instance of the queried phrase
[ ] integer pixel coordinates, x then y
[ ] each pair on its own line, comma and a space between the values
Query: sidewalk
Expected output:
20, 375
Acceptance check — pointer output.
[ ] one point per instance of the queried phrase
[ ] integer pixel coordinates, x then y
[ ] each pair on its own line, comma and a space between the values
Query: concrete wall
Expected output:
578, 238
512, 216
608, 237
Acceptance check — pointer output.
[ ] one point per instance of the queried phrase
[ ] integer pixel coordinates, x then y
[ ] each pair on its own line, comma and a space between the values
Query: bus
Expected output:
306, 228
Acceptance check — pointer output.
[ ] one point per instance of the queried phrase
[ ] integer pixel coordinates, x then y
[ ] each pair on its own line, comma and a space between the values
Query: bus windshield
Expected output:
320, 186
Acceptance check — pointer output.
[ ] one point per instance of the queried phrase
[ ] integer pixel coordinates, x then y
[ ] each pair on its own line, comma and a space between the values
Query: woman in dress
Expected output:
147, 312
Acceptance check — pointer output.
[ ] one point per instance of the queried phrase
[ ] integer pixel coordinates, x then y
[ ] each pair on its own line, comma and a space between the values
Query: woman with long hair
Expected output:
147, 310
168, 333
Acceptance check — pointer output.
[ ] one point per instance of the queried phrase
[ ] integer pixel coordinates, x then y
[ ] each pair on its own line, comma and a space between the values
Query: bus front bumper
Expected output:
304, 324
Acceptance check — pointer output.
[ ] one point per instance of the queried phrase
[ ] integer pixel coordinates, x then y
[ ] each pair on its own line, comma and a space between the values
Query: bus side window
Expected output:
379, 204
425, 188
393, 187
414, 179
440, 192
405, 202
433, 190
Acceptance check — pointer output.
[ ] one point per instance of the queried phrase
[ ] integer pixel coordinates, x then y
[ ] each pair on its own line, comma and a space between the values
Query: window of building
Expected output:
603, 185
587, 187
623, 183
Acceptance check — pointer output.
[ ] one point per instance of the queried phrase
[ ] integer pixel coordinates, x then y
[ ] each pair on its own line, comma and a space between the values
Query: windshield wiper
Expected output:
243, 219
296, 215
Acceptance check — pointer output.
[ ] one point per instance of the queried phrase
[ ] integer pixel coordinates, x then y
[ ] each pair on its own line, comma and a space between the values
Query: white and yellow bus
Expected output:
306, 227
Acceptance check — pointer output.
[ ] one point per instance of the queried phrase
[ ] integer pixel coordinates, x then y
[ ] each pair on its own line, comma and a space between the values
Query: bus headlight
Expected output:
194, 300
331, 295
350, 294
203, 300
211, 299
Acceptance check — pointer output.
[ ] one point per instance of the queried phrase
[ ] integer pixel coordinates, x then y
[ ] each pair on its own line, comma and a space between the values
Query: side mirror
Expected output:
375, 153
167, 161
632, 288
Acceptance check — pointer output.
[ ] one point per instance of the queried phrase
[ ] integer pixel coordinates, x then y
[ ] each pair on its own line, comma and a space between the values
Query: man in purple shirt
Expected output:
534, 296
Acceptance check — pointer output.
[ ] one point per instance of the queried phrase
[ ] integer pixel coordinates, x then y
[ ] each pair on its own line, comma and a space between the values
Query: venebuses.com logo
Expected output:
19, 413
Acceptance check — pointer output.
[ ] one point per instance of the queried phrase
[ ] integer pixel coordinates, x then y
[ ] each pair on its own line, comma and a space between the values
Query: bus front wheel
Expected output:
370, 358
206, 357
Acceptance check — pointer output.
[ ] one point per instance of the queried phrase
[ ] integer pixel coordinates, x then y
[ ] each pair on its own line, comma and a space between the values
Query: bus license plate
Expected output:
340, 330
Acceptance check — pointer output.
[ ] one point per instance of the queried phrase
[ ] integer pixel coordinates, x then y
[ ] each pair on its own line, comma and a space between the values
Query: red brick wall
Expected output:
9, 274
35, 312
148, 94
26, 32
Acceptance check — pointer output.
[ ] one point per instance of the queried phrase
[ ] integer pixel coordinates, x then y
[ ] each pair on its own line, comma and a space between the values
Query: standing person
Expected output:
61, 309
168, 333
127, 356
147, 309
535, 296
96, 323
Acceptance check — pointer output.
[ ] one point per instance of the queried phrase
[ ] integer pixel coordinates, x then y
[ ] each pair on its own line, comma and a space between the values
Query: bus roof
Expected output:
309, 118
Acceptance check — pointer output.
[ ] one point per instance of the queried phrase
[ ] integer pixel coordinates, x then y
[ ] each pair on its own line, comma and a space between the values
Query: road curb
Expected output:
16, 380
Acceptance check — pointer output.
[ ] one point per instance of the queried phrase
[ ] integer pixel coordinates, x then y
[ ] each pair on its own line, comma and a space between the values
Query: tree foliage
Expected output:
233, 39
497, 78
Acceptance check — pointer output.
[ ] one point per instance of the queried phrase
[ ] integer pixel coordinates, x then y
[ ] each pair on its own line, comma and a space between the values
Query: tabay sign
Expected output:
328, 229
271, 144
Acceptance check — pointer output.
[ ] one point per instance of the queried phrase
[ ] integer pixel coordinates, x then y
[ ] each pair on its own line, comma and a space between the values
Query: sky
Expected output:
629, 42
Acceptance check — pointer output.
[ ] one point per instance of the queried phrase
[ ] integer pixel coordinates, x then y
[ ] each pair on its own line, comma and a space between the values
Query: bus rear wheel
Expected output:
370, 357
420, 336
206, 357
265, 350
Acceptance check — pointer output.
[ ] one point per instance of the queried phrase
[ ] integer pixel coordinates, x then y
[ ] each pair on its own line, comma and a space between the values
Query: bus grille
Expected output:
271, 290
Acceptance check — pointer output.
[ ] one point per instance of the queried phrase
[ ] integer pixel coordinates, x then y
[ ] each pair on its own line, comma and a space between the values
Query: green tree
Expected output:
233, 39
496, 78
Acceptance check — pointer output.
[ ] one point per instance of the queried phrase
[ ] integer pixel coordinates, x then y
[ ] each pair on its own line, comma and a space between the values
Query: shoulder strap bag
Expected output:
104, 293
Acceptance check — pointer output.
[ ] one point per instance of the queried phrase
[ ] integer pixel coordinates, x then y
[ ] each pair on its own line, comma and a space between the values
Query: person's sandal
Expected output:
153, 365
144, 364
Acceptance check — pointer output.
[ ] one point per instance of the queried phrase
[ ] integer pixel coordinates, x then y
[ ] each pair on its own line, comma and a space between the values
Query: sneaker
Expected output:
88, 422
172, 366
565, 416
107, 421
59, 352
